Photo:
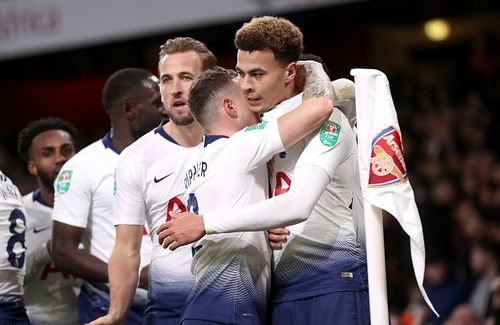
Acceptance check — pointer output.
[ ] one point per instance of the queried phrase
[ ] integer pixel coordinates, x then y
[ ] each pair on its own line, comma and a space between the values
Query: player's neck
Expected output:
185, 135
121, 140
47, 195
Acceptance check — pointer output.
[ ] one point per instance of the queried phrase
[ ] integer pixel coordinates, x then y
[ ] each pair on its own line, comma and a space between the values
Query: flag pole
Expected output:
377, 283
375, 254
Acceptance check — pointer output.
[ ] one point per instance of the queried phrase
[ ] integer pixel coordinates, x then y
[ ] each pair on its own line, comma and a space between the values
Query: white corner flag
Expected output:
384, 182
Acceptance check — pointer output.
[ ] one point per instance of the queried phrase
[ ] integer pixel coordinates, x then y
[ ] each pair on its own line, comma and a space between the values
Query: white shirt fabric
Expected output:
12, 247
50, 295
232, 271
84, 193
149, 183
323, 251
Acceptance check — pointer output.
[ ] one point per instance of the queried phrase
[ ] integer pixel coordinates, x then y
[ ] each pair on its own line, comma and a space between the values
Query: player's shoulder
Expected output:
284, 107
86, 157
28, 199
139, 146
9, 191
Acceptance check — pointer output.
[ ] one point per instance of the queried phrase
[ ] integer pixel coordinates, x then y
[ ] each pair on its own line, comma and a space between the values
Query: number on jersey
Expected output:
15, 246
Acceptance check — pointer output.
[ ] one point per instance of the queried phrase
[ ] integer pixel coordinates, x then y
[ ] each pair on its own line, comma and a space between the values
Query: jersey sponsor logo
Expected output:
37, 230
329, 133
254, 127
64, 181
157, 180
387, 165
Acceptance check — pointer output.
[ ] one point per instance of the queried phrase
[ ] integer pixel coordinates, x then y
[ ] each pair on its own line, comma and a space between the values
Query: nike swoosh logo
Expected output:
37, 230
157, 180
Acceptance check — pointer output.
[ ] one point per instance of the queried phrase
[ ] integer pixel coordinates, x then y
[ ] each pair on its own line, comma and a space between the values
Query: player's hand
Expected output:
183, 229
108, 319
277, 237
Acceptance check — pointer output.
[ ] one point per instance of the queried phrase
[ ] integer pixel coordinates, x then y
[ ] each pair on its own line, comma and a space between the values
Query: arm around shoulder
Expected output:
300, 122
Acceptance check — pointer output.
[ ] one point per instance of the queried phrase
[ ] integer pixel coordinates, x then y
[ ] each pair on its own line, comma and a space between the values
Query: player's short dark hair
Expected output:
279, 35
185, 44
120, 83
34, 128
206, 89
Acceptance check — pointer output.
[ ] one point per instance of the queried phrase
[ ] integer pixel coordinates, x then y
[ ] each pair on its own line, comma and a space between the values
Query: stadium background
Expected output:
447, 94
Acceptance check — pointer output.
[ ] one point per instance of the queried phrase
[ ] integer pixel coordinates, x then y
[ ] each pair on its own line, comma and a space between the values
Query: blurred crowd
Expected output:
451, 136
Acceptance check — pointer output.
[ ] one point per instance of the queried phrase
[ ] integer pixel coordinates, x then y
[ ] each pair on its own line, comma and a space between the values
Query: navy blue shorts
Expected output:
345, 307
13, 313
201, 322
94, 303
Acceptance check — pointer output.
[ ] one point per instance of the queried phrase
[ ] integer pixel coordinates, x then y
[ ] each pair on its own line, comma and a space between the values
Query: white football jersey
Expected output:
232, 270
50, 295
324, 253
84, 192
149, 183
12, 246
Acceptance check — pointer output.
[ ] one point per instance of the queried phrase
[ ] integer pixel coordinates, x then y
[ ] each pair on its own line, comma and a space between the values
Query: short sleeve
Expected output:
331, 145
73, 194
255, 145
129, 206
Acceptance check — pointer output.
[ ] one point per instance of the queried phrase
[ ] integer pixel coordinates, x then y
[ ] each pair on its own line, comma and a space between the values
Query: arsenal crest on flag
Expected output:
387, 164
384, 181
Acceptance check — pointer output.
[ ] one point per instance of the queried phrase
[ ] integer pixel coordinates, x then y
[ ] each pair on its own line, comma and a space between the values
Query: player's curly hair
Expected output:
185, 44
206, 90
279, 35
34, 128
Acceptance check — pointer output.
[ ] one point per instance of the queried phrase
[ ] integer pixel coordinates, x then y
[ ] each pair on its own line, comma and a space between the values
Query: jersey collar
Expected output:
106, 141
212, 138
37, 197
161, 131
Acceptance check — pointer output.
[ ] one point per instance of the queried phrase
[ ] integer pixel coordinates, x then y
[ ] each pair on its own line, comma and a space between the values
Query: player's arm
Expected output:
280, 211
67, 256
298, 123
314, 170
123, 275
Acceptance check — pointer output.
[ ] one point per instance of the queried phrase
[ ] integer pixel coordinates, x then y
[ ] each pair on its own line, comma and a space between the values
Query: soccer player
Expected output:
49, 293
320, 274
149, 185
84, 189
232, 271
12, 254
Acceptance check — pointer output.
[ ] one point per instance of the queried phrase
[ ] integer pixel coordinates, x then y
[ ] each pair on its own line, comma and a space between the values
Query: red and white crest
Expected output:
387, 165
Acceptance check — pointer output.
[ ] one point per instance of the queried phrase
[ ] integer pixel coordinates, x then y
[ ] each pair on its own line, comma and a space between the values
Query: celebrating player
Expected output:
49, 293
149, 185
84, 189
12, 254
233, 271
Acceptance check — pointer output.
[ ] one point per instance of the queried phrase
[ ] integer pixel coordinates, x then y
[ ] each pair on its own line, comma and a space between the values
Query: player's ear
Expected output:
290, 72
228, 107
129, 110
32, 168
